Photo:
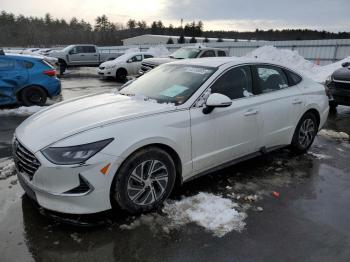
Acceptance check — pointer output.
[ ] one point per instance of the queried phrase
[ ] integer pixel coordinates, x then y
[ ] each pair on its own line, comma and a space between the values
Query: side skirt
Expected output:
261, 152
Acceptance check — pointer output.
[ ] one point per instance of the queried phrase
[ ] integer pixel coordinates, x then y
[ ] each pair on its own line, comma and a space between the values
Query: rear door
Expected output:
281, 103
90, 55
13, 75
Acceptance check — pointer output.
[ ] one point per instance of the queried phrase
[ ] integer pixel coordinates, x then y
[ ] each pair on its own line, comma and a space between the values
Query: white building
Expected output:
163, 39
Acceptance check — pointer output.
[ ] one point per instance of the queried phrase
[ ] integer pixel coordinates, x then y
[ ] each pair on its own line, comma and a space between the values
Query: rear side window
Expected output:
89, 49
208, 53
25, 64
235, 83
293, 78
271, 78
6, 64
221, 53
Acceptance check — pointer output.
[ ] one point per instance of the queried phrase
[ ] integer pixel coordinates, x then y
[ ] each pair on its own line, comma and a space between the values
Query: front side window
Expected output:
6, 64
148, 56
271, 78
136, 58
236, 83
169, 83
208, 53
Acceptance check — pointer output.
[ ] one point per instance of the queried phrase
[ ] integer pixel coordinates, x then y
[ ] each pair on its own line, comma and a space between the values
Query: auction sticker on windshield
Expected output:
173, 91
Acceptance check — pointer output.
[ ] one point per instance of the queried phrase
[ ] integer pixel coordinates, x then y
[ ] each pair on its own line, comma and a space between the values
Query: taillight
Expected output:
51, 72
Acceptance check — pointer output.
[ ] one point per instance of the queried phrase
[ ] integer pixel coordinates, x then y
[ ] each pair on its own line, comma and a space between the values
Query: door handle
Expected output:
297, 102
251, 112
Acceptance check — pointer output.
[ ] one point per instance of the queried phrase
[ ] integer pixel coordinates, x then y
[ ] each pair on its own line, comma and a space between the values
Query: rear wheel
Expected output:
121, 74
305, 133
33, 95
144, 180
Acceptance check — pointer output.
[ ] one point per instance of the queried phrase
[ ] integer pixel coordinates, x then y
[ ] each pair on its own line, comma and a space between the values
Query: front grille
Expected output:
343, 86
25, 160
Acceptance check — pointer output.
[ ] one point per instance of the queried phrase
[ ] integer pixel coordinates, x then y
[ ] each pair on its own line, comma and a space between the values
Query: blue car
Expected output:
27, 80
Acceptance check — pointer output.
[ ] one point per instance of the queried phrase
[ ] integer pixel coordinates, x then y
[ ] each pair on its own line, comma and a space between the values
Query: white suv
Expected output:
178, 121
121, 67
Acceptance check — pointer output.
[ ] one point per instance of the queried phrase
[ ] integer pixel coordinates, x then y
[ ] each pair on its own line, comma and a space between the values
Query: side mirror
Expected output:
129, 61
72, 52
216, 100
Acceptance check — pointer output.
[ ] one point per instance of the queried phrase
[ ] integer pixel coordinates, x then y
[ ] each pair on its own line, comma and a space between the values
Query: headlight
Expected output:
74, 154
110, 66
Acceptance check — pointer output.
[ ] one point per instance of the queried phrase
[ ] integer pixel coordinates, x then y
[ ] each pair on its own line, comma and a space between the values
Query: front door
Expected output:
226, 133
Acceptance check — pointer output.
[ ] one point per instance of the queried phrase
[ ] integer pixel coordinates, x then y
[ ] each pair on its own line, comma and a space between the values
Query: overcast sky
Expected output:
331, 15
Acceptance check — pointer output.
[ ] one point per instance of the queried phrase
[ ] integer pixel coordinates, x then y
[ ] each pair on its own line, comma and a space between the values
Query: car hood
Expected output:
72, 117
342, 74
158, 61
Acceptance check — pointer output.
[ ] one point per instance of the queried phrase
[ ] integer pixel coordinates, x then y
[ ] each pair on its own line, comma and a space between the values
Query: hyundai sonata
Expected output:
179, 121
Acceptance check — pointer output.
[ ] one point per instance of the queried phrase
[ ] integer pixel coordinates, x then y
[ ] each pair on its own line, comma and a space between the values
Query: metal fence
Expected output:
318, 51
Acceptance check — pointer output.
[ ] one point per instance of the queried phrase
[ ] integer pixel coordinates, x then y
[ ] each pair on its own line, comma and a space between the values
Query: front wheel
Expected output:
144, 180
33, 95
305, 133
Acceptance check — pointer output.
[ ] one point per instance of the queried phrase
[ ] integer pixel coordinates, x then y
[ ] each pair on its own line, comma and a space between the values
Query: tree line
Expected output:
24, 31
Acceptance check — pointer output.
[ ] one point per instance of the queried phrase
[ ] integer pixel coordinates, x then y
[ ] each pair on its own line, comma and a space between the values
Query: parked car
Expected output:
27, 80
179, 121
121, 67
339, 87
182, 53
81, 55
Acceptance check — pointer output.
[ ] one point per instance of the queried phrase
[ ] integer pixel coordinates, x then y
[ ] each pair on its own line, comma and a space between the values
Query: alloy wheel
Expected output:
147, 182
306, 133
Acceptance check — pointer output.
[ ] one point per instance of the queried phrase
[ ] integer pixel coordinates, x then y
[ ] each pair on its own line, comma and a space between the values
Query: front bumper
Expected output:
81, 189
106, 72
340, 93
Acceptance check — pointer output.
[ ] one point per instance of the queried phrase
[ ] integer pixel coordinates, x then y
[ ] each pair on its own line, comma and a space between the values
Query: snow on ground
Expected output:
21, 111
159, 51
319, 156
330, 134
216, 214
7, 168
293, 60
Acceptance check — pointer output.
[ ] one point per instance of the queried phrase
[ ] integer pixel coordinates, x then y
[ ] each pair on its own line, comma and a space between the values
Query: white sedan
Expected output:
123, 66
180, 120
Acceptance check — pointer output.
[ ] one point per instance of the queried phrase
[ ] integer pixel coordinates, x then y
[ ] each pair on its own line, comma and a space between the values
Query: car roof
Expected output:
26, 57
204, 48
219, 61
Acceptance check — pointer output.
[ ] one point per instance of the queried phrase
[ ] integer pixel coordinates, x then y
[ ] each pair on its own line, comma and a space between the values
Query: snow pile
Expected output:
7, 168
159, 51
22, 111
333, 134
293, 60
216, 214
319, 156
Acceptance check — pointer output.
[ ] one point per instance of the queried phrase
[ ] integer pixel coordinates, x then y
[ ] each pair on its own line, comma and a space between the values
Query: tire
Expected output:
305, 133
136, 194
121, 74
33, 95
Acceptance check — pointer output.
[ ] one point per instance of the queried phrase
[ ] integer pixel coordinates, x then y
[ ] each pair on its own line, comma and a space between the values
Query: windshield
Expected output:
169, 83
184, 53
67, 48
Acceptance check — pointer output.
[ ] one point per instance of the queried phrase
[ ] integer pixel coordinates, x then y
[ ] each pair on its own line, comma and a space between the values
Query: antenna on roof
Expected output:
2, 52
